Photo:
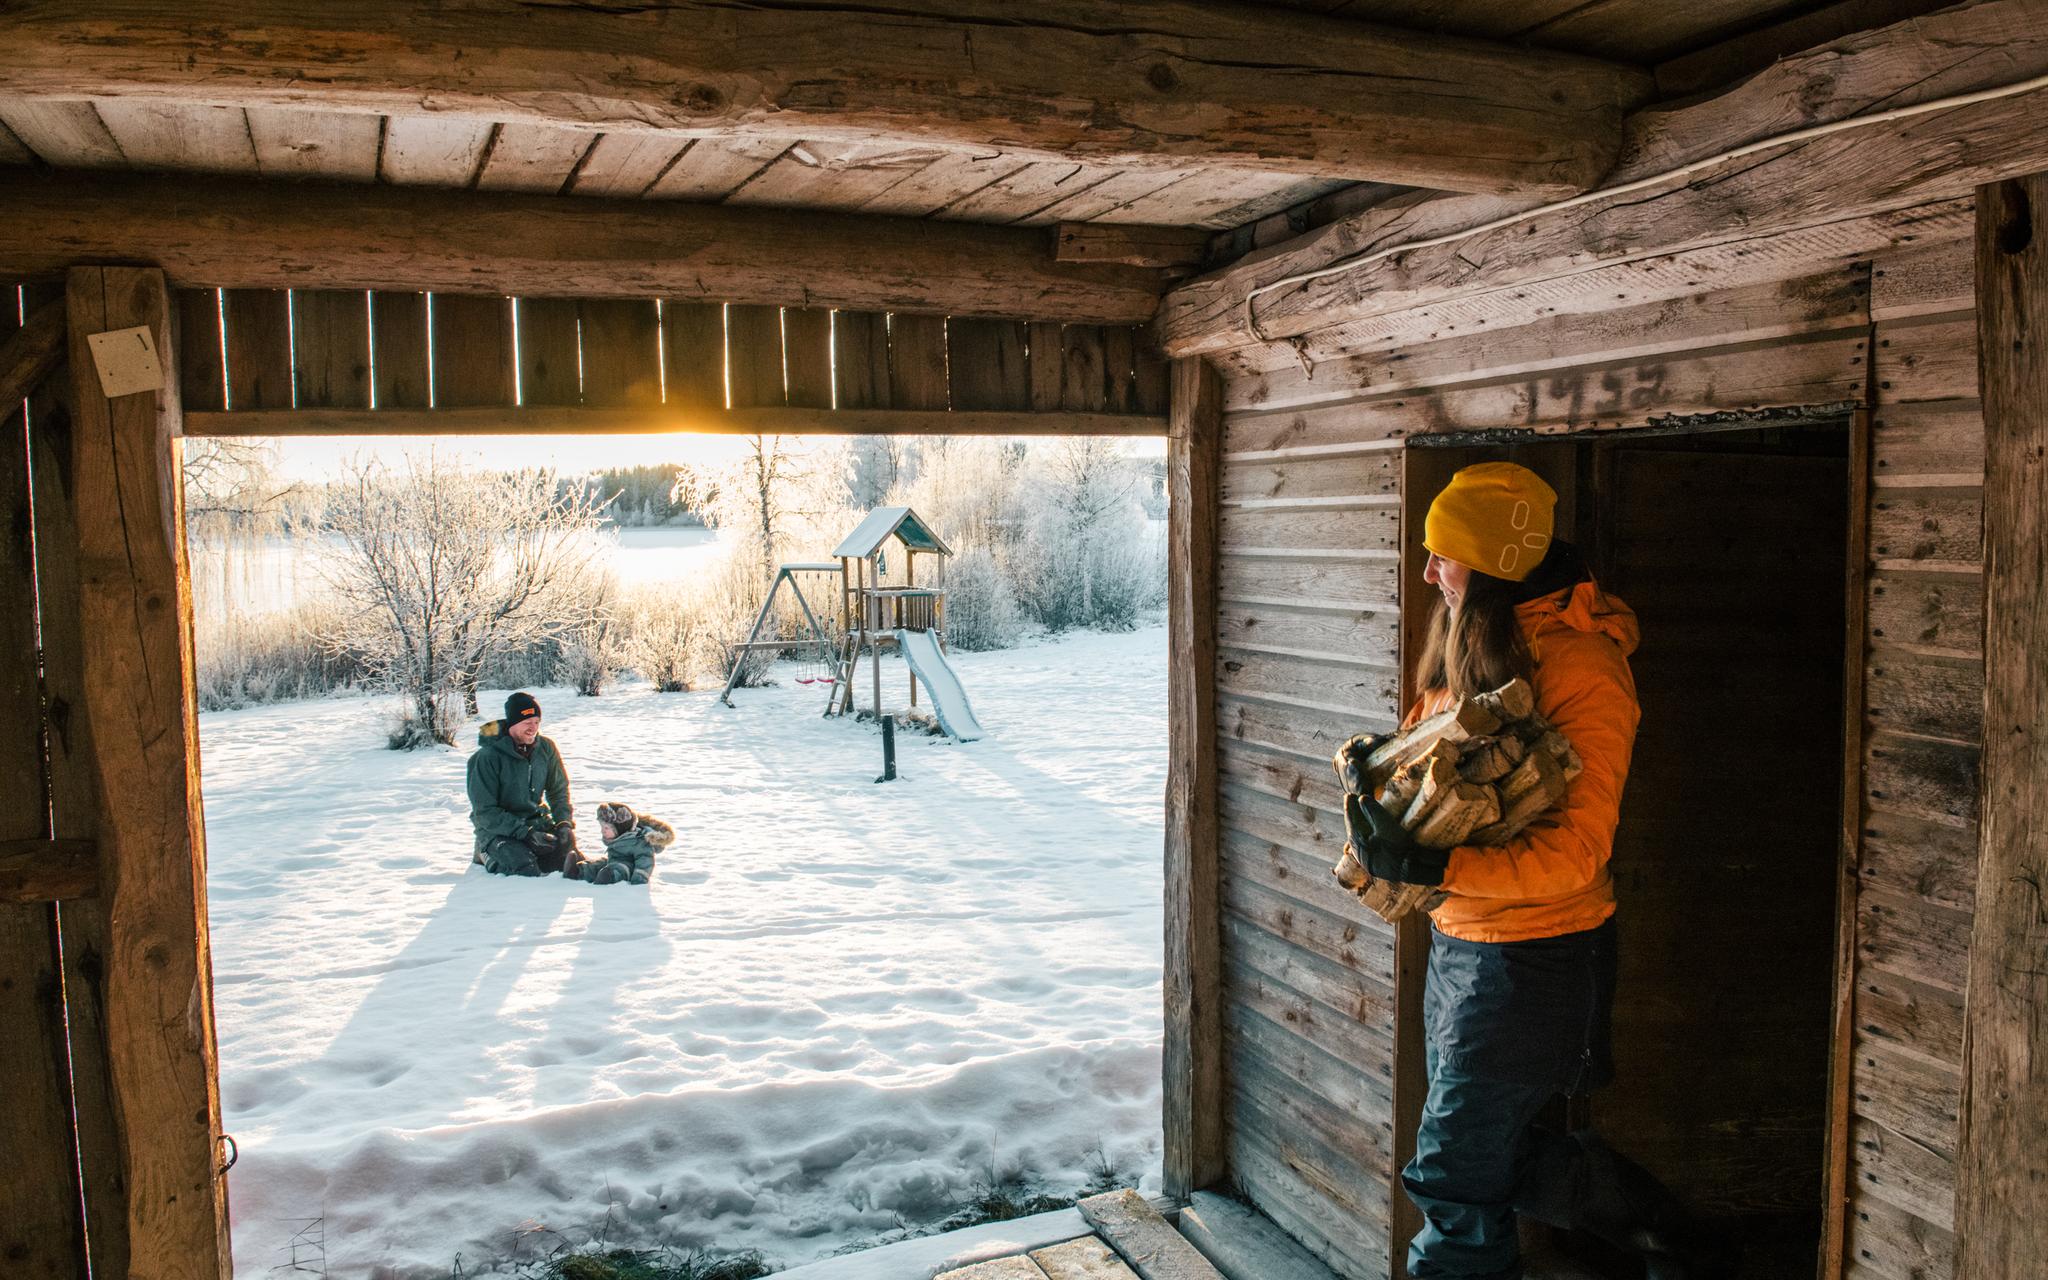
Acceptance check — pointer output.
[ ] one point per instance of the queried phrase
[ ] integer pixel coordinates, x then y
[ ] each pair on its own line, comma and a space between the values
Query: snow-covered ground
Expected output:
836, 1007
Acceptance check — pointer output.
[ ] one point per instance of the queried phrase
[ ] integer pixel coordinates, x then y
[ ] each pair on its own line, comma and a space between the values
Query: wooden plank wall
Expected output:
1308, 636
1924, 691
315, 349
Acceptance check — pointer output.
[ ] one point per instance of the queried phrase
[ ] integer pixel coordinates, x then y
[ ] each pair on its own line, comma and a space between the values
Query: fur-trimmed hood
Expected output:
657, 835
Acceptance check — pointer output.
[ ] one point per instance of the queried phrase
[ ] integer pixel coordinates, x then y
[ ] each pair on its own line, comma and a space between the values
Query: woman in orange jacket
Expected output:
1520, 989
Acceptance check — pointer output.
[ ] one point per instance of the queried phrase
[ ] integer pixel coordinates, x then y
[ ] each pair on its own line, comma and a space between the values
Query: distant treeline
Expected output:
665, 493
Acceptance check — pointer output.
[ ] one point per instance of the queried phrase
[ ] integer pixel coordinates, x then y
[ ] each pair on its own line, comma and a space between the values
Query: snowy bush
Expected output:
243, 659
665, 637
981, 610
593, 642
727, 606
1085, 559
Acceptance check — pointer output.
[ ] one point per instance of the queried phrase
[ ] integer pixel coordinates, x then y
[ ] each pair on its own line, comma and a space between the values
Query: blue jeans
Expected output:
1509, 1026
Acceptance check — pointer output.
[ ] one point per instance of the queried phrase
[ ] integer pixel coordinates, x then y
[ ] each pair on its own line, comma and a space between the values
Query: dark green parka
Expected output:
511, 794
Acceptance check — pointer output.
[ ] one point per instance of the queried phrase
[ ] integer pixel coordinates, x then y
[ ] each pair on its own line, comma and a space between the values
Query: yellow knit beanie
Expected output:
1495, 518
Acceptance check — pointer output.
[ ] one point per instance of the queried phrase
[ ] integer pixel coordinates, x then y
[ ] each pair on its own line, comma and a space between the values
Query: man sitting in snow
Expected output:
519, 796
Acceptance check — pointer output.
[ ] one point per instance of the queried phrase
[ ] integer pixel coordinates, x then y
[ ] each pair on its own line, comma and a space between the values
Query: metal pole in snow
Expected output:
888, 750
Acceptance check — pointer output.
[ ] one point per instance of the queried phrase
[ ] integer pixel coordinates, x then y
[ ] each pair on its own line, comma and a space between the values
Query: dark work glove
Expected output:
1386, 848
1350, 762
540, 840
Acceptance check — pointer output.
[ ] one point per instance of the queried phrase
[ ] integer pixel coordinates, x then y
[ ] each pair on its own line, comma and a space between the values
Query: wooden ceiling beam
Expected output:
255, 235
568, 420
1168, 84
1879, 169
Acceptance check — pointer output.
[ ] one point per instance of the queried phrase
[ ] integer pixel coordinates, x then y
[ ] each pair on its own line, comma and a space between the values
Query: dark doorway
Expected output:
1731, 546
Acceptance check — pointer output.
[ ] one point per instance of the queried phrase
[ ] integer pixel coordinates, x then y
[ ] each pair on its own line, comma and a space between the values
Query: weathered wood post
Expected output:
1193, 1087
2002, 1162
136, 651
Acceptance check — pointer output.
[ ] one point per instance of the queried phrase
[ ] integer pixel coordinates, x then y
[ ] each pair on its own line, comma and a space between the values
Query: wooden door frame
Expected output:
1421, 477
173, 1215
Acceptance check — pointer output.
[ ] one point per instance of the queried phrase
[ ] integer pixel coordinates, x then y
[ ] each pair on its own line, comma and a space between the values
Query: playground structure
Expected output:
876, 616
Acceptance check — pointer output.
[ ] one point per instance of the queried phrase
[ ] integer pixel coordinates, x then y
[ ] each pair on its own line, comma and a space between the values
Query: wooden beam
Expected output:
1156, 84
2001, 1162
304, 236
1732, 207
28, 355
1194, 1078
1134, 246
41, 1224
134, 601
593, 420
48, 870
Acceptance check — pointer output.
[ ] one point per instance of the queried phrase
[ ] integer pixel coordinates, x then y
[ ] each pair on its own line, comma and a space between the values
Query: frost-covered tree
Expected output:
1087, 560
436, 567
779, 497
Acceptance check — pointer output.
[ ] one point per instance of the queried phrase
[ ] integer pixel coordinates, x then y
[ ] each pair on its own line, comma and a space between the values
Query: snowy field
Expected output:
837, 1006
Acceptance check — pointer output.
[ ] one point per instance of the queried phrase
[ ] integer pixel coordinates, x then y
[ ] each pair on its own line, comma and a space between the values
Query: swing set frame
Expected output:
753, 642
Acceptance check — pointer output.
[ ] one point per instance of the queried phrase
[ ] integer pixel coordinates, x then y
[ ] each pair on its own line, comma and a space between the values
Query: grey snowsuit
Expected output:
630, 854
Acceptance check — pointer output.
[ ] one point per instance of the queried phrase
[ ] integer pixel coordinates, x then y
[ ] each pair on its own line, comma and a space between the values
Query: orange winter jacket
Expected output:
1552, 878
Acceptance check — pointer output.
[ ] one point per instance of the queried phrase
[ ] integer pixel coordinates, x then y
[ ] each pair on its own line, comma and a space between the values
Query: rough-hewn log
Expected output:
28, 355
136, 650
600, 420
1150, 83
1193, 1103
48, 870
1133, 246
1884, 167
290, 235
2002, 1167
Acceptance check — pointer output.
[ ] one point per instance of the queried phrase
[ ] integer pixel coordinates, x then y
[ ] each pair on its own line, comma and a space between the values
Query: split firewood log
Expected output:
1475, 774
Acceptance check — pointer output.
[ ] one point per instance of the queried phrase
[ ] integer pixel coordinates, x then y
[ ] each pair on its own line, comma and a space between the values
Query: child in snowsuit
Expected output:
630, 842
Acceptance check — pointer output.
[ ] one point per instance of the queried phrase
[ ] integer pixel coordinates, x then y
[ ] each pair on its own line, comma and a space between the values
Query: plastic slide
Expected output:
949, 701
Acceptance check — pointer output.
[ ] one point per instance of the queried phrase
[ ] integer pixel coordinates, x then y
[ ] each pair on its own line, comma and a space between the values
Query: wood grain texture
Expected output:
1194, 1082
986, 364
1162, 85
257, 323
85, 924
754, 356
621, 340
398, 343
1935, 157
1128, 1223
860, 359
331, 348
28, 354
917, 362
252, 235
807, 355
549, 360
201, 372
1244, 1243
2002, 1169
693, 353
40, 869
597, 420
473, 352
134, 607
41, 1219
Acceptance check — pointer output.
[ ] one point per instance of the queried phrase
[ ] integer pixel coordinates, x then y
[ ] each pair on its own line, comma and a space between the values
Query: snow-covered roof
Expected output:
885, 521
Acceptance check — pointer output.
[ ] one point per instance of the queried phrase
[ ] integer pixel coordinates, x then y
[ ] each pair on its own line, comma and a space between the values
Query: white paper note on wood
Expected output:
126, 360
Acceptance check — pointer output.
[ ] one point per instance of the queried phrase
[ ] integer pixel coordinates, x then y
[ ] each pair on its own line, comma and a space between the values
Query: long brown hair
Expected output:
1477, 646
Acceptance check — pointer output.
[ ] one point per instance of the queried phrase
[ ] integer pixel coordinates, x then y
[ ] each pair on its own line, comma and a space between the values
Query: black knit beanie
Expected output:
521, 706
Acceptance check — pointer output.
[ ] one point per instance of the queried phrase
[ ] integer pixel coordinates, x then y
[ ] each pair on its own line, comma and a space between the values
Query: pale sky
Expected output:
315, 459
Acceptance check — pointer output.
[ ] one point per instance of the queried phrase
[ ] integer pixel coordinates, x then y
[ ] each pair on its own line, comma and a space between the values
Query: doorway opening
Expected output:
1732, 546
